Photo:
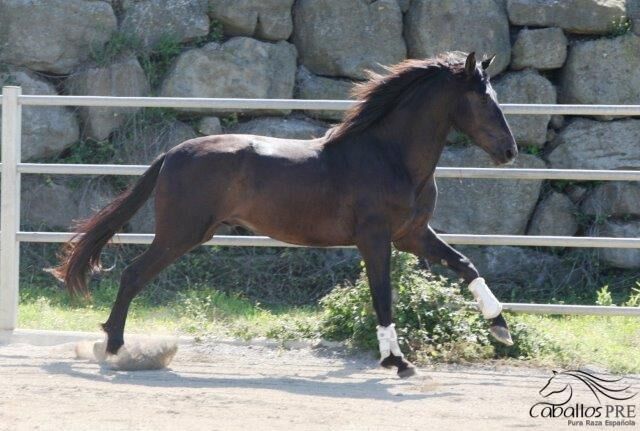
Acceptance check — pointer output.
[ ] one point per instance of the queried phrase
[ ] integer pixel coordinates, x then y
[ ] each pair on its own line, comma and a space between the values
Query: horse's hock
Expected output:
265, 43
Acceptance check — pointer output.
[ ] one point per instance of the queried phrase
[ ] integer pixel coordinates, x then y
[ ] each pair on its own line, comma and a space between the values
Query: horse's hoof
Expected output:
501, 334
409, 371
405, 368
113, 345
389, 362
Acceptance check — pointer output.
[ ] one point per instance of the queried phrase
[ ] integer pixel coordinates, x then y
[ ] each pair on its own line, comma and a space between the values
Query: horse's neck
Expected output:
420, 135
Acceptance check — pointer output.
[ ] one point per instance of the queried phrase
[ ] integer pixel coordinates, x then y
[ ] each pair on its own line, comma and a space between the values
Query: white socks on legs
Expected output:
388, 341
487, 302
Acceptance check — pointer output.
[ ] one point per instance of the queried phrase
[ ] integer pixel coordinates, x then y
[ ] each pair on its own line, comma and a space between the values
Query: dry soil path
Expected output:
226, 386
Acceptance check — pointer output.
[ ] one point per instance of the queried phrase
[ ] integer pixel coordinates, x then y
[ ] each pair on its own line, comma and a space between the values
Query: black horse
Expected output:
369, 181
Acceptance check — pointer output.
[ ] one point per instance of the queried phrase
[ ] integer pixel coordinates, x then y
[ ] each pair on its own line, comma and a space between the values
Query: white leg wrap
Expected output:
487, 302
388, 341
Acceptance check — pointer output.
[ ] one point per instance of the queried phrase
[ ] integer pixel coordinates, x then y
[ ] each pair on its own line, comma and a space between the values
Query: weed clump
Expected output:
433, 320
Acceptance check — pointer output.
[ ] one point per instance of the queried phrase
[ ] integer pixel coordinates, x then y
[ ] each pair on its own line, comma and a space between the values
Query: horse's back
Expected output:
284, 188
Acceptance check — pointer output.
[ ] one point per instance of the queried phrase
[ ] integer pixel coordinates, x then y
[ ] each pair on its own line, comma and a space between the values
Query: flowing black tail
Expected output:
78, 257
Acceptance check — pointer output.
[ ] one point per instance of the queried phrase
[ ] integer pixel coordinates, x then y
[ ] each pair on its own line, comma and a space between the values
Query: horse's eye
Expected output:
486, 98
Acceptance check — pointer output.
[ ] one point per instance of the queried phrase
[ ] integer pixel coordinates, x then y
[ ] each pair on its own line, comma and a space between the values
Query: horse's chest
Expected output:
416, 211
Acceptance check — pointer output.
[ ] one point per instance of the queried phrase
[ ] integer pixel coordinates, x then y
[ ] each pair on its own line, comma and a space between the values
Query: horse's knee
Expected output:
468, 269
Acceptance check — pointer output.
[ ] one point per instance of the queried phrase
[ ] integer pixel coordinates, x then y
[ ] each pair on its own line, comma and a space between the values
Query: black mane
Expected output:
381, 93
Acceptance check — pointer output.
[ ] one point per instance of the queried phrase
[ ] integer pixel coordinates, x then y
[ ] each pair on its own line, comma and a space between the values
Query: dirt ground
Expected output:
229, 386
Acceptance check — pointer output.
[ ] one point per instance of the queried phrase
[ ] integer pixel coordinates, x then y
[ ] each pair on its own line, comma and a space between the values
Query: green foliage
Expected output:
230, 120
273, 276
533, 150
215, 34
118, 44
620, 27
562, 185
432, 320
430, 315
528, 342
603, 296
89, 151
142, 119
196, 297
157, 60
634, 297
267, 275
206, 306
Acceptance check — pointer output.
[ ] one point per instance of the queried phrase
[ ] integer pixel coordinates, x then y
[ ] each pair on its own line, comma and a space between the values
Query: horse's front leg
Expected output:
374, 243
426, 244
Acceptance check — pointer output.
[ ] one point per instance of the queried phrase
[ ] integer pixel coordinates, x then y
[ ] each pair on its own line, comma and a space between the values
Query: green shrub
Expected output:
603, 296
432, 319
528, 343
619, 27
430, 315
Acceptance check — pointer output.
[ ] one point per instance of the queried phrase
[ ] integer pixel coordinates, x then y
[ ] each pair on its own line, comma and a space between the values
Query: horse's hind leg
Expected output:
168, 246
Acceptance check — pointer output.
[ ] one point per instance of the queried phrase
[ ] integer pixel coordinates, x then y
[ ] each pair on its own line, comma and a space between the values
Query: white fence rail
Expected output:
10, 235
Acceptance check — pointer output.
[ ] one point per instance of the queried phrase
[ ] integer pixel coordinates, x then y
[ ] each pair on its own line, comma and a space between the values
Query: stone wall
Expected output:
570, 51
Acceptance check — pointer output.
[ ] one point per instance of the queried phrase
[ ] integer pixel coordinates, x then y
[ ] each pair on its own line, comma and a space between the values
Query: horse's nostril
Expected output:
510, 154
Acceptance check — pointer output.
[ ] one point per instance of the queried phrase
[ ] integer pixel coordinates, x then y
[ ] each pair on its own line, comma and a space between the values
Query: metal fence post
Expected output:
10, 207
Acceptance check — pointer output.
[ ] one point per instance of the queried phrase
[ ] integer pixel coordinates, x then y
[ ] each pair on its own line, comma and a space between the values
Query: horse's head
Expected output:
478, 115
561, 383
555, 385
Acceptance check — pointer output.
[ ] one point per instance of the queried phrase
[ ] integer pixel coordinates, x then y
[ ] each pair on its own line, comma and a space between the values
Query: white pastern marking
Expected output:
388, 341
487, 302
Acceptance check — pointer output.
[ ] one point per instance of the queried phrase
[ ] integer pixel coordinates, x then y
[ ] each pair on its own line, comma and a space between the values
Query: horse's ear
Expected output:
486, 63
470, 64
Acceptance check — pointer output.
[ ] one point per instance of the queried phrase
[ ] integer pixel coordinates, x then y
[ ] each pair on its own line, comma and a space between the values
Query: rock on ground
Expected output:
480, 206
633, 10
310, 86
590, 144
123, 78
59, 203
619, 257
241, 67
459, 25
526, 87
503, 267
290, 128
574, 16
576, 192
141, 147
542, 49
46, 131
152, 20
209, 126
613, 198
53, 35
602, 71
555, 215
345, 38
265, 19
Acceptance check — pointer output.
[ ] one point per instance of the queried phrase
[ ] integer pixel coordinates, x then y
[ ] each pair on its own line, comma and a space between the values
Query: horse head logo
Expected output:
561, 387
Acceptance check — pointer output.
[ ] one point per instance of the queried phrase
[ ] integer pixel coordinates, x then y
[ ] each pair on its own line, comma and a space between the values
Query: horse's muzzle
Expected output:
506, 156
